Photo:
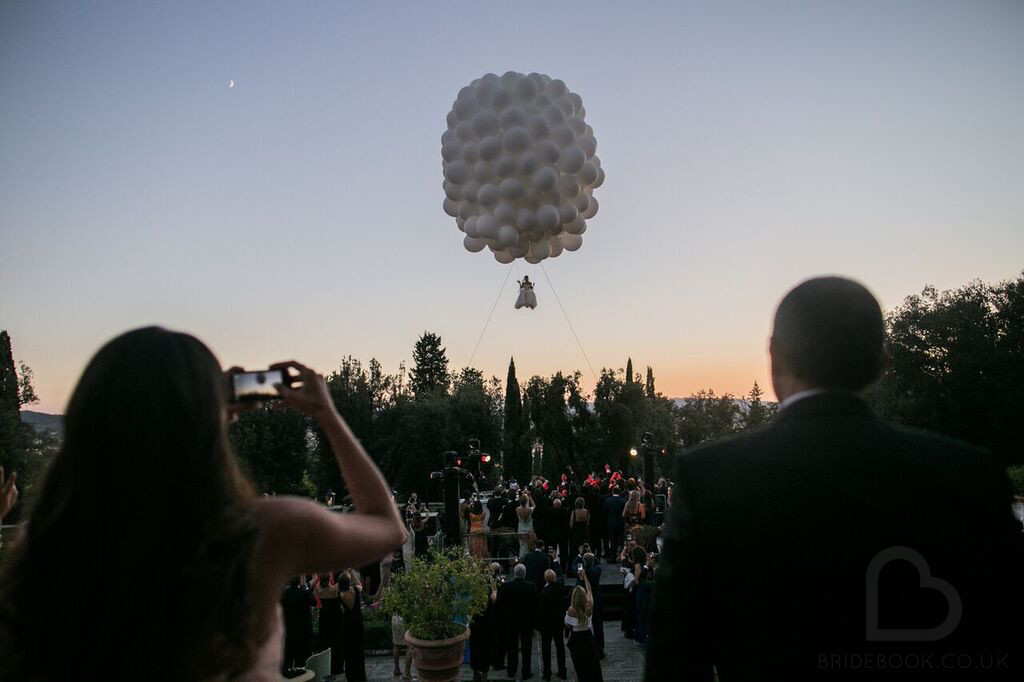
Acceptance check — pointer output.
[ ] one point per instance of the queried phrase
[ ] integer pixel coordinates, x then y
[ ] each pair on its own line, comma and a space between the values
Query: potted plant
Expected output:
437, 597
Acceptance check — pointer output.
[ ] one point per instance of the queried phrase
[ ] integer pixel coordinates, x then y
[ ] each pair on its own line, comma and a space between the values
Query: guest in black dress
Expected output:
326, 591
351, 627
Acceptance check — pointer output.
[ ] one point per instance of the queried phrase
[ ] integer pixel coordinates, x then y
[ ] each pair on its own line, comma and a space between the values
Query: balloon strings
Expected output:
488, 322
566, 315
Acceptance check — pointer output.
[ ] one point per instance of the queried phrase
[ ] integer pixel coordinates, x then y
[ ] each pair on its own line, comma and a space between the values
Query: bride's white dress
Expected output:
527, 299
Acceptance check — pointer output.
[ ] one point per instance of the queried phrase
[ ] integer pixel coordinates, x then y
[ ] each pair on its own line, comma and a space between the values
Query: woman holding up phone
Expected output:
581, 643
146, 484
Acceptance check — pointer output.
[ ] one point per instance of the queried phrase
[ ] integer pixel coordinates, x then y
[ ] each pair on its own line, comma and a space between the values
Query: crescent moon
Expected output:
231, 84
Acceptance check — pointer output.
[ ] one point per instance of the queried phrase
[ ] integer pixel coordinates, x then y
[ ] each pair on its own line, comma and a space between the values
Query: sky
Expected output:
747, 146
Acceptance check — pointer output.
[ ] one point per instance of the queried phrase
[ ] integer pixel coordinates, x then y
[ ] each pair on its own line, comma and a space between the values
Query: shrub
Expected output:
438, 593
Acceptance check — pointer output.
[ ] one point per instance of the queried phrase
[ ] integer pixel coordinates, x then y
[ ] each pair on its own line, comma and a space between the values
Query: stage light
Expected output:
632, 452
485, 458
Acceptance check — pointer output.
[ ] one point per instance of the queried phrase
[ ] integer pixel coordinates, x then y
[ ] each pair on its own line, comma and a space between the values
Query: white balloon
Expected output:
510, 189
531, 259
457, 172
451, 150
588, 173
487, 195
464, 131
576, 226
501, 99
485, 123
505, 165
483, 172
467, 210
487, 226
526, 219
508, 235
588, 145
465, 108
568, 186
563, 136
571, 159
489, 148
528, 163
571, 242
469, 153
545, 179
451, 207
473, 245
452, 191
512, 117
556, 88
591, 210
547, 216
470, 227
556, 247
548, 151
515, 140
567, 213
540, 250
600, 177
505, 212
538, 127
504, 257
519, 250
581, 201
470, 190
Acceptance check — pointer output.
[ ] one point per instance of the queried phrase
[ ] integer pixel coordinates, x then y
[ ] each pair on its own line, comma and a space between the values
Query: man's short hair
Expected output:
829, 333
519, 571
539, 545
588, 560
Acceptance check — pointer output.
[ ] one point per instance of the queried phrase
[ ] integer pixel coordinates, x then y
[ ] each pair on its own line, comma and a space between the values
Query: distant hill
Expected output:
43, 421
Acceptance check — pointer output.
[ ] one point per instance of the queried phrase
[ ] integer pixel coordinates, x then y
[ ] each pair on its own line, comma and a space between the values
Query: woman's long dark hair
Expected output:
137, 554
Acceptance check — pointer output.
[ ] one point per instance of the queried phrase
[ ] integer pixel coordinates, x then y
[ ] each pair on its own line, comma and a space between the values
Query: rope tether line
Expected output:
488, 322
566, 315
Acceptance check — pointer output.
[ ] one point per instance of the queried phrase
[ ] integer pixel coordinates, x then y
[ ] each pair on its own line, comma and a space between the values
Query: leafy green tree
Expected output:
629, 371
649, 384
706, 416
758, 412
957, 364
430, 369
22, 449
10, 405
272, 444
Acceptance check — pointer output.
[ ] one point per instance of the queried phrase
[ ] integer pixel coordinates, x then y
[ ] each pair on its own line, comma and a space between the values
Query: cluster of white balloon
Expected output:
520, 167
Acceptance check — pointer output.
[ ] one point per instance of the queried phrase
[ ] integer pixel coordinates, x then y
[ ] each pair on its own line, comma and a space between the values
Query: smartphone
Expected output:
246, 386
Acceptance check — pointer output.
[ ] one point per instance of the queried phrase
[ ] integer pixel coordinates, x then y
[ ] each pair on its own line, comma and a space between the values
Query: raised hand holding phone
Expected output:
304, 390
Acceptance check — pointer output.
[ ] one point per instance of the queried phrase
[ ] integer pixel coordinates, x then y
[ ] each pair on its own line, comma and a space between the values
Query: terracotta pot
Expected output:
438, 660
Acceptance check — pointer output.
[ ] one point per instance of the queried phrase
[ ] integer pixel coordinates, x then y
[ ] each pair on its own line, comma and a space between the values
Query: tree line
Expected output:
956, 364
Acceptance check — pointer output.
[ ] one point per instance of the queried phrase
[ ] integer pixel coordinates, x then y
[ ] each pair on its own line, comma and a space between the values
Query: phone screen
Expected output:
256, 385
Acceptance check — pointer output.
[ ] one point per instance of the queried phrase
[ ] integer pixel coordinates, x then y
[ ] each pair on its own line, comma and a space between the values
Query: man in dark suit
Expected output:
773, 556
517, 604
560, 531
554, 601
613, 506
537, 561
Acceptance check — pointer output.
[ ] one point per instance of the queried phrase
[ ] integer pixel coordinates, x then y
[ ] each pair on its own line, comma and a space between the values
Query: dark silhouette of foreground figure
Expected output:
146, 554
799, 550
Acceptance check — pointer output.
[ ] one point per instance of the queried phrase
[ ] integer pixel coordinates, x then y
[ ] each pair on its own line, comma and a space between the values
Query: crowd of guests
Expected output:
598, 511
537, 598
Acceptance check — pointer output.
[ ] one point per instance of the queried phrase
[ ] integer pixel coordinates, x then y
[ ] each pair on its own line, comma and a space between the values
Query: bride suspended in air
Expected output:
527, 299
